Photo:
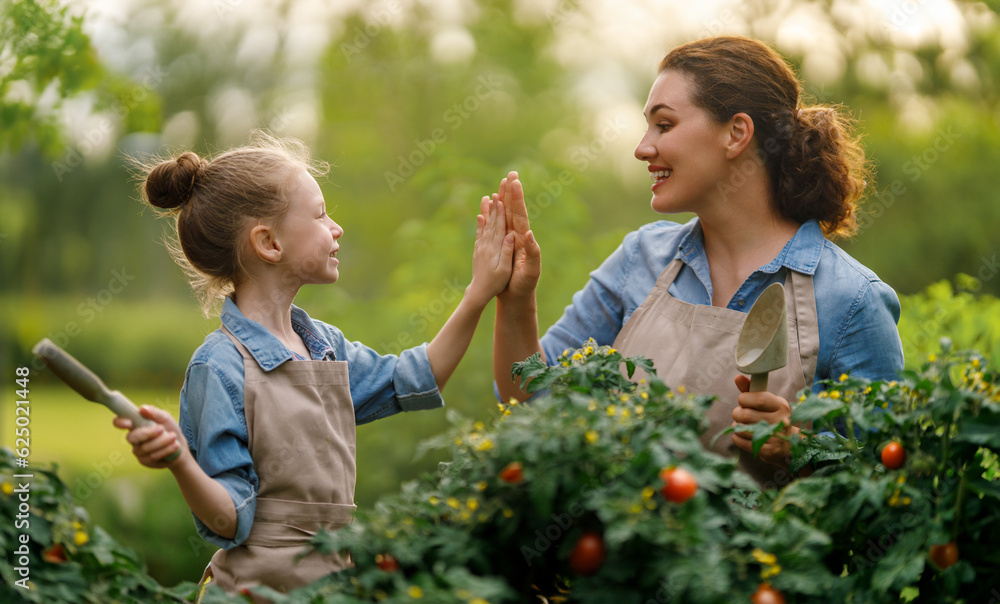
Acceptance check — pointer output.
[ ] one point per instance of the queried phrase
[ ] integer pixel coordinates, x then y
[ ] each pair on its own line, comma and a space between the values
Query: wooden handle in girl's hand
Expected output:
88, 385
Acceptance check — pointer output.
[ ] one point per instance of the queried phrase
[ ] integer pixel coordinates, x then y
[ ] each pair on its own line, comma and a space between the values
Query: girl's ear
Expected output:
740, 133
265, 244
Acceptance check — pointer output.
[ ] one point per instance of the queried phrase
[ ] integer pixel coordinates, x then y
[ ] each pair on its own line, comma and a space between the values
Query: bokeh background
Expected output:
422, 106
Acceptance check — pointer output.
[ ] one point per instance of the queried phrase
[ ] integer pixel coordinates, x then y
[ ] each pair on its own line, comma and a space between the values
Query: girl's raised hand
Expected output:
151, 444
492, 259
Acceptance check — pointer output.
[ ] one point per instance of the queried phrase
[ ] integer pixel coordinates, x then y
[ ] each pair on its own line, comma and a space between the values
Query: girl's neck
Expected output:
270, 306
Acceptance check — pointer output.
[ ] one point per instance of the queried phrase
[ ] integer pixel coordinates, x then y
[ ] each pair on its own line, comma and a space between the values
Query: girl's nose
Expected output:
337, 231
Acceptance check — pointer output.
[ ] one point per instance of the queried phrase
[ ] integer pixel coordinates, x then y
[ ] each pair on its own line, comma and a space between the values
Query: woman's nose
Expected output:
644, 151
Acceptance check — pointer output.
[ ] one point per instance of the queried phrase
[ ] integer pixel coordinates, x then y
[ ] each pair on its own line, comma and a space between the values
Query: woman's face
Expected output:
684, 147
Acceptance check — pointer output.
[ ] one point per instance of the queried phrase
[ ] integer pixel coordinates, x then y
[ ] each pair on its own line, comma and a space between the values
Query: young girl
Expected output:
266, 436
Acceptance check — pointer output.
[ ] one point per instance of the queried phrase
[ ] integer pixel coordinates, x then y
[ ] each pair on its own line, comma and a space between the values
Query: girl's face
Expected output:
308, 236
684, 147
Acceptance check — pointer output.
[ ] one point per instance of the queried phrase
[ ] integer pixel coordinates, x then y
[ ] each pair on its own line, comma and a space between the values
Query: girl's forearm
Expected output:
449, 345
206, 497
515, 338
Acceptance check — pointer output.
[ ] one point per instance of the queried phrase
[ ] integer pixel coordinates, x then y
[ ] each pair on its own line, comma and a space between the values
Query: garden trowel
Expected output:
762, 345
88, 385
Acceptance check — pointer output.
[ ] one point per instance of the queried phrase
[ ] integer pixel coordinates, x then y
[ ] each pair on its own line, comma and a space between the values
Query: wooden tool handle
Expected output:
88, 385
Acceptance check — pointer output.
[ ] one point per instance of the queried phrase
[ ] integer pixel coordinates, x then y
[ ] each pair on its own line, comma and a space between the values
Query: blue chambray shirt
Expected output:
857, 312
211, 402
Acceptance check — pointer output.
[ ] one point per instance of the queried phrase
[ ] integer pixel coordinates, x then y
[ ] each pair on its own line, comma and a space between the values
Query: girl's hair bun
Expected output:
171, 184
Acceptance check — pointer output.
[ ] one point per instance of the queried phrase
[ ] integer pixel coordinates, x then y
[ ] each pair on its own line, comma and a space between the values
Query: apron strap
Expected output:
800, 297
669, 274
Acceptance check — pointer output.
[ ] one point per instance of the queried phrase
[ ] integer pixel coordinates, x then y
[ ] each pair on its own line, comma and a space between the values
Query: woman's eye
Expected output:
663, 127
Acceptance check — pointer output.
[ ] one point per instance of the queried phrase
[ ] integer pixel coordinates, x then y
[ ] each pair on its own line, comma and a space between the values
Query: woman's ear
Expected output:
740, 133
265, 244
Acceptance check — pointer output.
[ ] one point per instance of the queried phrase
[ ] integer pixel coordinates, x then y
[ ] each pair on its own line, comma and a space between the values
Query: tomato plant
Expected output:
893, 456
679, 485
588, 554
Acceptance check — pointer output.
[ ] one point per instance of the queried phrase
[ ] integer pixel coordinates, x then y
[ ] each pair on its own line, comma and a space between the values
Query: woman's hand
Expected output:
151, 444
492, 257
763, 406
527, 254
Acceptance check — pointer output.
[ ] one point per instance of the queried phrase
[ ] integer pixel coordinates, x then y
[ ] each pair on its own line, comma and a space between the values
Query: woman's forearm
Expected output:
206, 497
515, 338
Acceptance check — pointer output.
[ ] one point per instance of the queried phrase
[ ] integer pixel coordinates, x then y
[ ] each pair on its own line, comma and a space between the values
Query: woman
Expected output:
769, 181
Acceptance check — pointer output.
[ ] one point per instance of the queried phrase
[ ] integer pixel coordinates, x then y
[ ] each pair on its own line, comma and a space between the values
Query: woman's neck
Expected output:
741, 238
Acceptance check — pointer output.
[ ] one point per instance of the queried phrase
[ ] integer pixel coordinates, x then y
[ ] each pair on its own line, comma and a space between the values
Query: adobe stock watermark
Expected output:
422, 319
580, 159
87, 311
362, 37
900, 13
914, 168
453, 118
151, 78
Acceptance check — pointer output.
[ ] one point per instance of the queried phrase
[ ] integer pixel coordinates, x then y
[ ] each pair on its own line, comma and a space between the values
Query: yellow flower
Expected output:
513, 401
644, 396
681, 389
80, 538
7, 488
823, 394
479, 426
577, 356
481, 485
508, 513
452, 502
486, 445
472, 504
76, 525
588, 350
625, 413
639, 409
975, 363
611, 351
458, 441
843, 377
635, 508
932, 358
415, 592
623, 398
647, 493
770, 571
802, 397
434, 500
763, 557
592, 406
565, 352
591, 436
835, 394
478, 601
611, 410
901, 479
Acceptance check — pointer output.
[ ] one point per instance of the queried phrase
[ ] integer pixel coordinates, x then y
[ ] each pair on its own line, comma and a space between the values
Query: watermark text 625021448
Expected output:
22, 482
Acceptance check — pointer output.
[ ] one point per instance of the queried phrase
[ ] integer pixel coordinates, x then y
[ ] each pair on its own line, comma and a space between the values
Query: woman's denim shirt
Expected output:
857, 312
211, 402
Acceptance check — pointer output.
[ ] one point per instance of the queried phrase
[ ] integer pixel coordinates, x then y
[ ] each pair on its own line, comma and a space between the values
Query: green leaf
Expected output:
815, 408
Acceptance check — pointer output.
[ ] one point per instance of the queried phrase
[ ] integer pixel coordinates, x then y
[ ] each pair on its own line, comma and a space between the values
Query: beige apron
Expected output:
301, 427
692, 345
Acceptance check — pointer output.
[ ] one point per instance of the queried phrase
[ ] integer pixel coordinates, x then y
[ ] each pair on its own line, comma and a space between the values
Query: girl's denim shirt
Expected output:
856, 311
211, 402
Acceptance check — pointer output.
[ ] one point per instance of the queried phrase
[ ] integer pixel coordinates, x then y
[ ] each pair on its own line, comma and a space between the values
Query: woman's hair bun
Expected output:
171, 184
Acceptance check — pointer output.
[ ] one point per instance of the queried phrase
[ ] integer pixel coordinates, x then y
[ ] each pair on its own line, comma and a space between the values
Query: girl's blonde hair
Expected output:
215, 202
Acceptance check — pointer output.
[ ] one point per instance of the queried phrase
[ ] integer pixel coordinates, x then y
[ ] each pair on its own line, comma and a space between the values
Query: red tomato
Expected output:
679, 485
55, 554
512, 473
766, 594
893, 456
387, 563
588, 554
945, 555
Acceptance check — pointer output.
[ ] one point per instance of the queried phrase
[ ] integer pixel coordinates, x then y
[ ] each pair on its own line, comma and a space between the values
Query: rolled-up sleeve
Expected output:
213, 423
383, 385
